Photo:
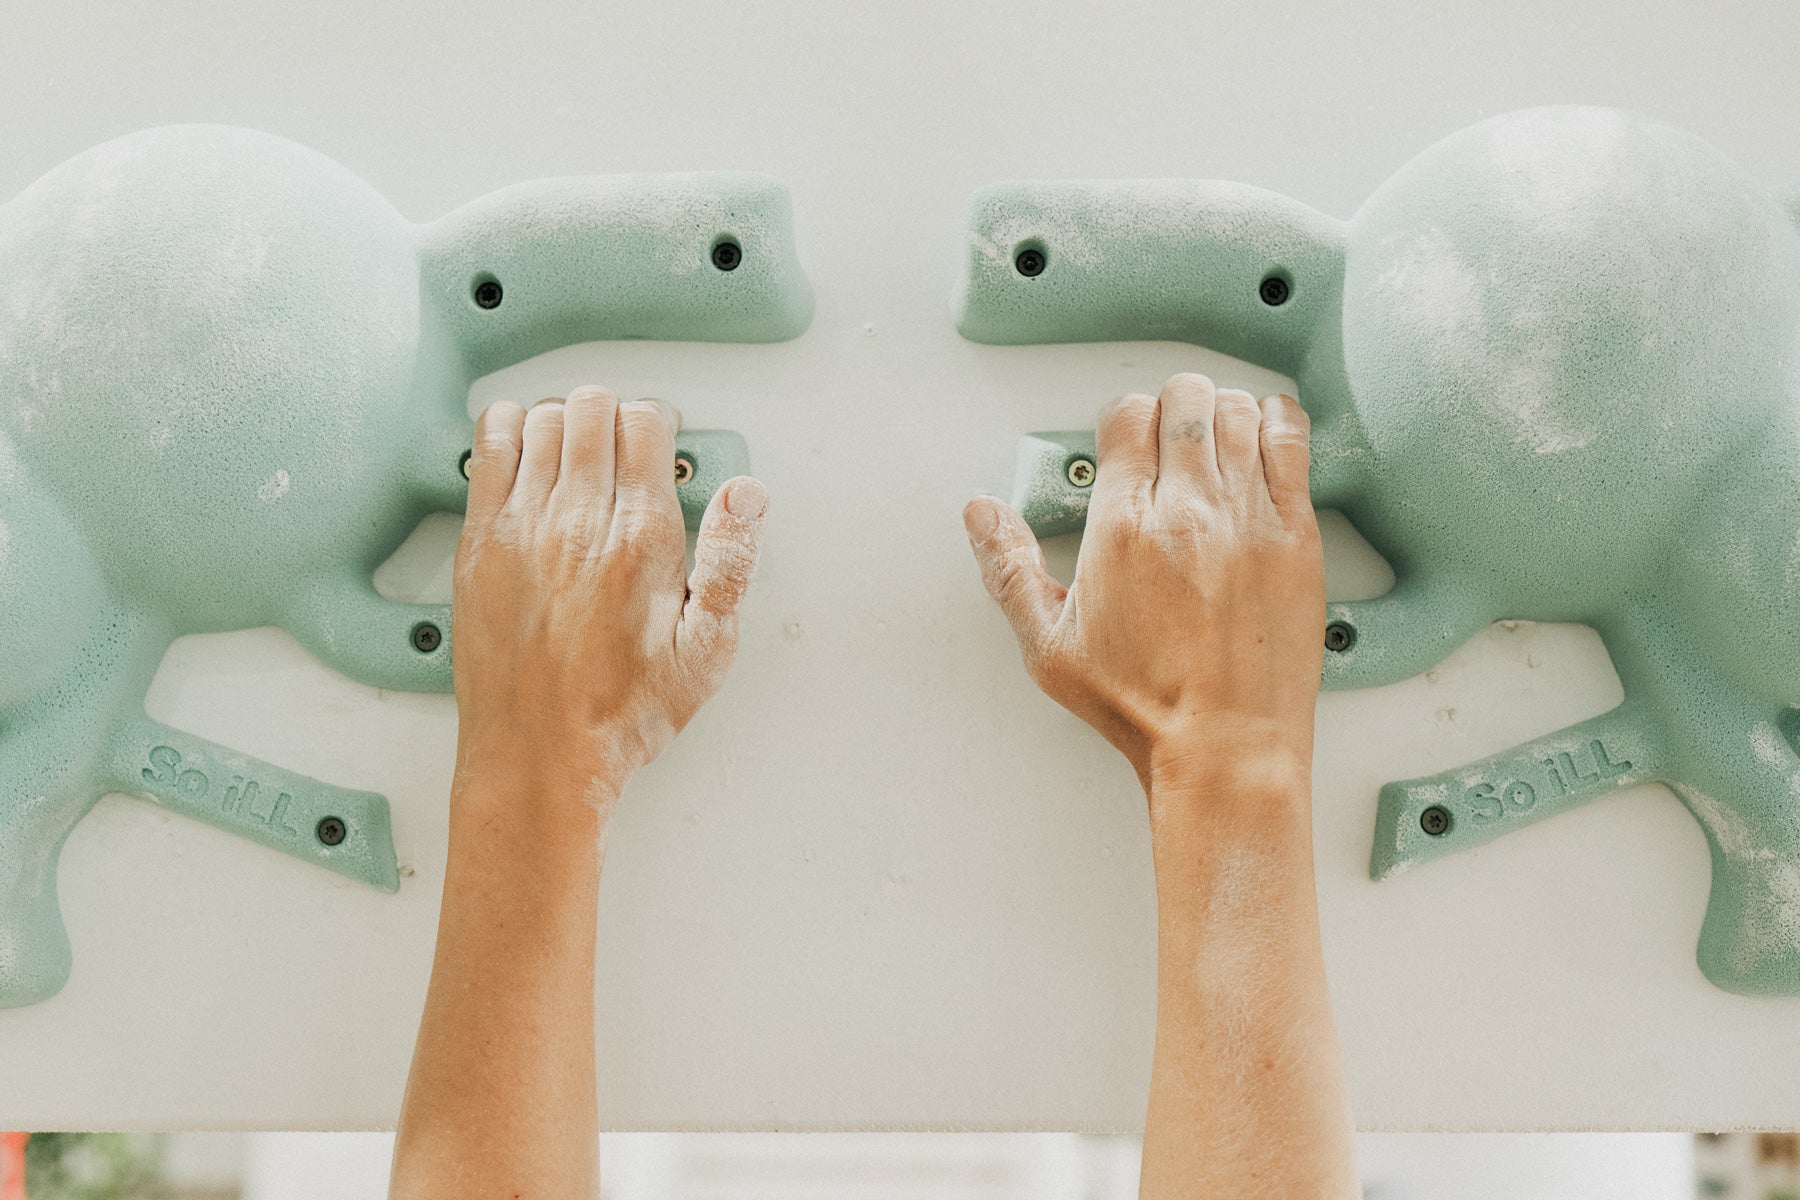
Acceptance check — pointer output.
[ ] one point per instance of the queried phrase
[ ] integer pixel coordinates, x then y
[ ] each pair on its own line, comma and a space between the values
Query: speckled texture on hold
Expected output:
1553, 368
232, 380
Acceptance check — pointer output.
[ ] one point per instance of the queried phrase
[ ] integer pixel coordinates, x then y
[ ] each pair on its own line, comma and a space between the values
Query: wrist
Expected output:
1255, 754
1222, 792
530, 806
542, 756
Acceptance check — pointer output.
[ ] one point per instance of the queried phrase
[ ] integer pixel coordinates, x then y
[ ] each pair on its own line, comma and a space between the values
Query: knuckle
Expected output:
1005, 576
1284, 412
1188, 381
1301, 547
640, 532
642, 421
497, 439
542, 420
1286, 436
1126, 528
727, 582
1237, 403
1121, 408
592, 396
577, 525
501, 415
1011, 578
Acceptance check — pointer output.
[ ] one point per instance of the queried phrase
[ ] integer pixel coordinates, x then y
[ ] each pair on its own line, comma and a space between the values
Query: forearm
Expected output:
581, 647
501, 1099
1247, 1096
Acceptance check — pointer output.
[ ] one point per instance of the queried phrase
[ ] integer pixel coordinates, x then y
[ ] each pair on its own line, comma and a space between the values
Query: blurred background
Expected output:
973, 1166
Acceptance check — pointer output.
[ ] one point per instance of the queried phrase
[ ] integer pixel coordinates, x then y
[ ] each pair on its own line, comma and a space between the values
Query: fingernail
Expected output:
746, 497
981, 518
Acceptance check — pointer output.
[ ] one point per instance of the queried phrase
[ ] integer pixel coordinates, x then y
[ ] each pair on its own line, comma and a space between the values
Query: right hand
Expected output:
1195, 624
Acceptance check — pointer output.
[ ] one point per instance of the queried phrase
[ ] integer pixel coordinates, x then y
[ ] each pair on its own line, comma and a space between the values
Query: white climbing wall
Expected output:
880, 882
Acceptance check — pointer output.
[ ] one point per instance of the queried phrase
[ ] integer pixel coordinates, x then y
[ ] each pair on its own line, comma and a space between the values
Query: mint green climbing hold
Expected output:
1553, 369
232, 380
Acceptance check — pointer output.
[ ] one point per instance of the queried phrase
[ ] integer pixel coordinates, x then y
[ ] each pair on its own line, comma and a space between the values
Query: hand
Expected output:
580, 646
1192, 638
1195, 624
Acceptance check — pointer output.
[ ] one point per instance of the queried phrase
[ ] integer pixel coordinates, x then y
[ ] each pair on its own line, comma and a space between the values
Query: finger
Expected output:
1236, 425
589, 440
646, 459
1286, 456
494, 462
1125, 460
1012, 570
542, 455
1185, 431
724, 560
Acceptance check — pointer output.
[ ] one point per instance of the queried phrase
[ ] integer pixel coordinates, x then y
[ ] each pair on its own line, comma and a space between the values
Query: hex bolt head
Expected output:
727, 255
1435, 820
426, 637
462, 465
1030, 262
1339, 636
488, 293
1081, 472
331, 830
1274, 291
684, 469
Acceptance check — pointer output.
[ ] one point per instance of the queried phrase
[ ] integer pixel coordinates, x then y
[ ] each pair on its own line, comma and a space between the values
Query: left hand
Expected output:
581, 646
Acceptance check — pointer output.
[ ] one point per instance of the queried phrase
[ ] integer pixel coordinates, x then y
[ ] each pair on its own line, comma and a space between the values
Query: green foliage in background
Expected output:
93, 1166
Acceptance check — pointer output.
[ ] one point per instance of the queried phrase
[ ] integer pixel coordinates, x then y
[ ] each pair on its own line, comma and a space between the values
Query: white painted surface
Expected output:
880, 882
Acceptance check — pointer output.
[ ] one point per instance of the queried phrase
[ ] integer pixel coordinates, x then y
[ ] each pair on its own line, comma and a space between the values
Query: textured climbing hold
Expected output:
232, 380
1551, 371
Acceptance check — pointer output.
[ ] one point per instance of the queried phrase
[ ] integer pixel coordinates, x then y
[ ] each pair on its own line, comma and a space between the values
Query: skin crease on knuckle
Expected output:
1012, 575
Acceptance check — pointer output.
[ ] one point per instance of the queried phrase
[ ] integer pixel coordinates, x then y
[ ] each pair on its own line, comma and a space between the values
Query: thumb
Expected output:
1012, 569
725, 553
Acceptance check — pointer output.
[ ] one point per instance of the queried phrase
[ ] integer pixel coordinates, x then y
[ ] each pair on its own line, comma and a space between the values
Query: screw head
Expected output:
488, 293
727, 255
684, 468
1435, 820
426, 637
1030, 262
462, 464
331, 830
1339, 636
1274, 291
1081, 472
